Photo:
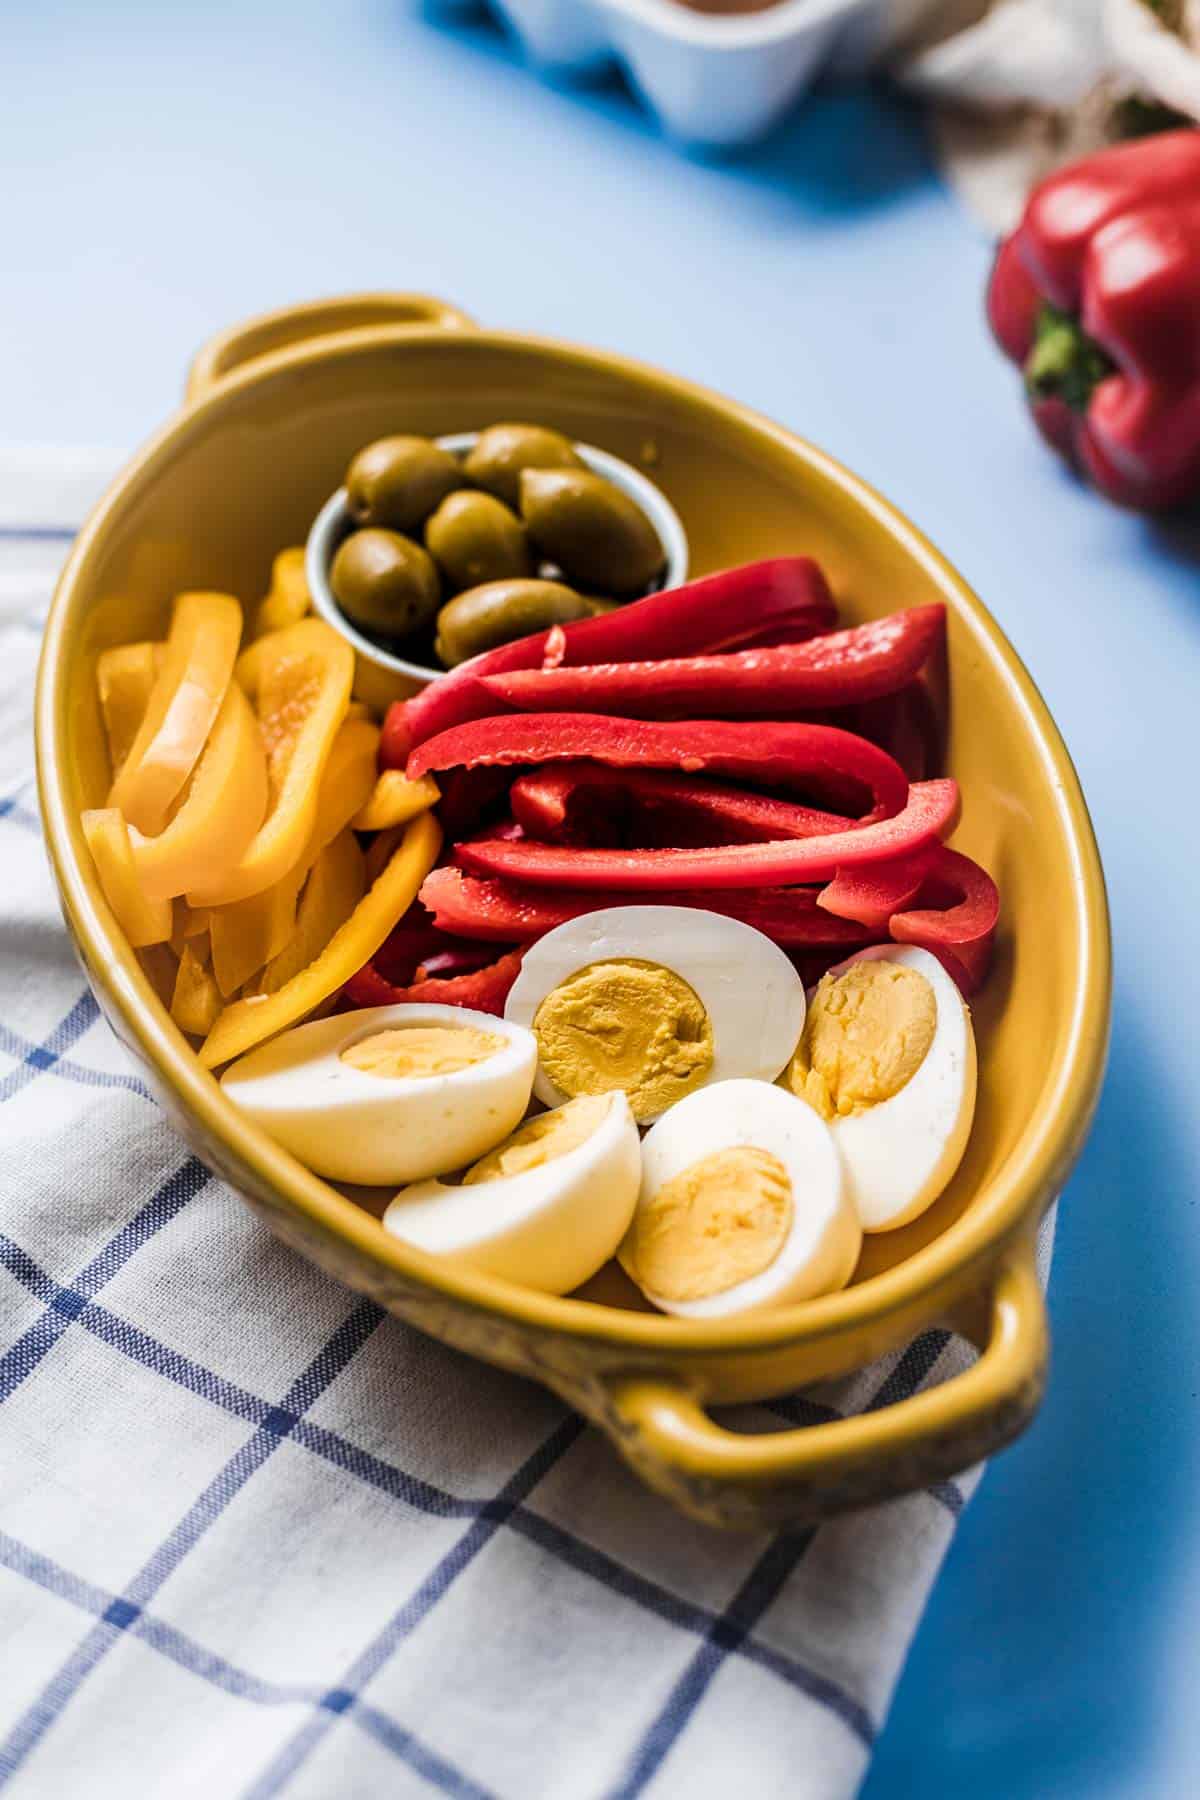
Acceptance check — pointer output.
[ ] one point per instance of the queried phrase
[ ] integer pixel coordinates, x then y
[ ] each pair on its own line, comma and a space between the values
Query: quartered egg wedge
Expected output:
887, 1058
657, 1001
391, 1093
742, 1207
546, 1208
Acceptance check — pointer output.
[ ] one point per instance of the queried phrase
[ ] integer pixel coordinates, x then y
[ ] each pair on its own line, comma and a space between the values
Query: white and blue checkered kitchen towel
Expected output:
258, 1538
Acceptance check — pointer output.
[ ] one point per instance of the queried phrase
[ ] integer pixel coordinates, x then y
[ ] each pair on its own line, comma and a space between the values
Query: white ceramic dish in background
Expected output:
333, 522
713, 80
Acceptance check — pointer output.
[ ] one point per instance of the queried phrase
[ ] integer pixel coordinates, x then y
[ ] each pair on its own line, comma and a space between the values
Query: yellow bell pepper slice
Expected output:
251, 932
347, 782
183, 704
221, 810
300, 679
333, 890
196, 1003
379, 852
160, 967
177, 938
394, 800
254, 931
258, 1016
358, 709
261, 661
189, 922
125, 678
288, 599
143, 921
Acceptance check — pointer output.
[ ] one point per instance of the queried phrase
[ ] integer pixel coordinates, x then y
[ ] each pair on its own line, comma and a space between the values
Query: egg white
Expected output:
752, 995
901, 1154
822, 1245
549, 1227
377, 1130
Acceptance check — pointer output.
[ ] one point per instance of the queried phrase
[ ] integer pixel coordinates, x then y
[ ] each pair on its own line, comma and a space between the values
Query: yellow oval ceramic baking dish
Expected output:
274, 411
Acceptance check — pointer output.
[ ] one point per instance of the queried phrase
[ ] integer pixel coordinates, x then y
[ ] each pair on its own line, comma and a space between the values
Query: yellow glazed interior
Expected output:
209, 503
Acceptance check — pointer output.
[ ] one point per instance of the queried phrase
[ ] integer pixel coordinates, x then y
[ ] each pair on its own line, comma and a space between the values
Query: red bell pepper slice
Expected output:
483, 990
839, 669
770, 754
932, 810
717, 612
511, 911
956, 919
872, 894
768, 639
406, 945
646, 808
905, 724
468, 795
460, 958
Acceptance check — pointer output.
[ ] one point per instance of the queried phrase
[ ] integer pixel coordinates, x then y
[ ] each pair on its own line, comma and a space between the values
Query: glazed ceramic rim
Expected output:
773, 24
333, 522
1011, 1203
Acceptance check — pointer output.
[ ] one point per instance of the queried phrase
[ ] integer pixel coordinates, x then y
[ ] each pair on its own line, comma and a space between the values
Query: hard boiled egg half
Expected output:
888, 1060
547, 1208
391, 1093
656, 1001
742, 1205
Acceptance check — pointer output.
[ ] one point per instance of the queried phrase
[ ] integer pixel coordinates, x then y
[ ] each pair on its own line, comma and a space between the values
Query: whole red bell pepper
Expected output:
717, 612
772, 754
931, 812
1097, 296
839, 669
483, 990
958, 908
510, 911
643, 808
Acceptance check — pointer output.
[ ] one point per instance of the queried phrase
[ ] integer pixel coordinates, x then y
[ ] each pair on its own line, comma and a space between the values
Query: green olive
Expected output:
397, 481
593, 531
502, 451
474, 537
500, 611
385, 583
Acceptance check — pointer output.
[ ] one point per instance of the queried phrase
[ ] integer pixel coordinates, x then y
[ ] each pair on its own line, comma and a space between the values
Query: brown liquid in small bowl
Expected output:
727, 8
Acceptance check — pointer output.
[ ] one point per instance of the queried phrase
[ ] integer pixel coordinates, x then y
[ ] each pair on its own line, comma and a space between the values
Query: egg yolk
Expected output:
540, 1140
422, 1050
632, 1025
867, 1032
715, 1224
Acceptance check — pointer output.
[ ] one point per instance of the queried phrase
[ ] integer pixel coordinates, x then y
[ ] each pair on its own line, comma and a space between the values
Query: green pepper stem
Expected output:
1065, 363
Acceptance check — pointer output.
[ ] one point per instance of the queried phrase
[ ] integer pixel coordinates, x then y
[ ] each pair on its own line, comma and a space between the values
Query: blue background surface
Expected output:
167, 169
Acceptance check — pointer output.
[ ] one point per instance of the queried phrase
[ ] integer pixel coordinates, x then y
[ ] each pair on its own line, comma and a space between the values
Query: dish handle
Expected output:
253, 338
817, 1471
